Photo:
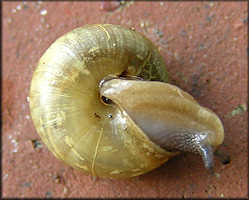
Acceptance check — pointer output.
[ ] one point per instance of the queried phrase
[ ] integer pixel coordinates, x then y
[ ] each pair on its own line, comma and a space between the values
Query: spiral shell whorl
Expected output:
67, 111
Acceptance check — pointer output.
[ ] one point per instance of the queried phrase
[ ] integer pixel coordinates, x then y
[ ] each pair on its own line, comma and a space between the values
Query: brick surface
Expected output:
205, 48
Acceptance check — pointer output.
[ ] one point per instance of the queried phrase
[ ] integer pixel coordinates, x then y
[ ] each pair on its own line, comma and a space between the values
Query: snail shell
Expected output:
94, 117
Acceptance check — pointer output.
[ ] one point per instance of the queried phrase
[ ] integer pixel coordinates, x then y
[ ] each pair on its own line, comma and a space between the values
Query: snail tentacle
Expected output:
206, 152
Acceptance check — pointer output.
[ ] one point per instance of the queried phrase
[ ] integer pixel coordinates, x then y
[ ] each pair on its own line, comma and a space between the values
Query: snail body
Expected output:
94, 114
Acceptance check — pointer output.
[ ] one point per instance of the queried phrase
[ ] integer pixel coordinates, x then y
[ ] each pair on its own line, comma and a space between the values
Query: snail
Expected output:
101, 102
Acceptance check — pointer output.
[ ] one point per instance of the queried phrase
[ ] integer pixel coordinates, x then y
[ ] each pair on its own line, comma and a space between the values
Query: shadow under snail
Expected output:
100, 102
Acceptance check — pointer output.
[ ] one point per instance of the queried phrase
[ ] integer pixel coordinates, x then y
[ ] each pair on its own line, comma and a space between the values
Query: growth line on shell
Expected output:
96, 149
105, 32
144, 63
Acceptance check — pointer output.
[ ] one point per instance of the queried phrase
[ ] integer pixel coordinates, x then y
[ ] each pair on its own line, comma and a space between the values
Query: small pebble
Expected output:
15, 145
14, 141
15, 151
235, 38
5, 176
19, 7
65, 190
43, 12
144, 24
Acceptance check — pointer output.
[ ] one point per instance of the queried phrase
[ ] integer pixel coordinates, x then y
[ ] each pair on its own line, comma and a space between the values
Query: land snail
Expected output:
100, 101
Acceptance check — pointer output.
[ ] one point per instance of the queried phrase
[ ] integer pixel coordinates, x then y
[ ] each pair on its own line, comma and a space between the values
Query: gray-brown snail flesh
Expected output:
170, 117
